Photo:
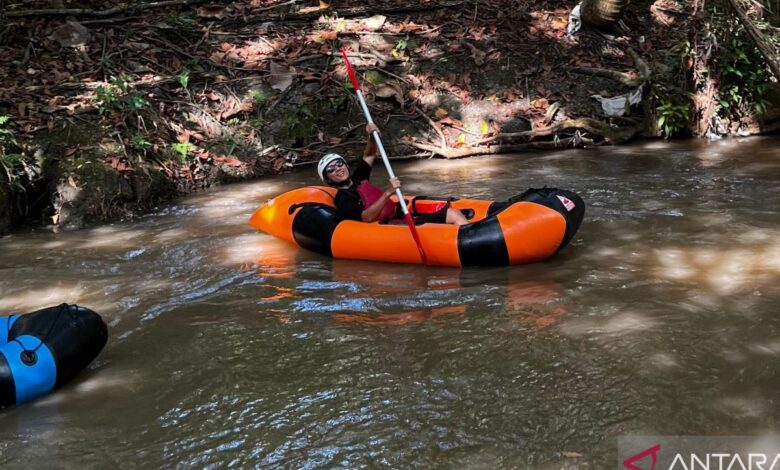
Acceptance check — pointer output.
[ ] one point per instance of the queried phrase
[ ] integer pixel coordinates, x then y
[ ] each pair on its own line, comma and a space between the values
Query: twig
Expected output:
205, 59
26, 57
100, 13
121, 19
435, 127
279, 100
203, 38
353, 12
594, 126
452, 153
624, 78
291, 2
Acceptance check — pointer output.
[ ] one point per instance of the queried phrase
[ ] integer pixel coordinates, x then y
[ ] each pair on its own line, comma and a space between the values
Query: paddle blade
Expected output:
413, 229
350, 70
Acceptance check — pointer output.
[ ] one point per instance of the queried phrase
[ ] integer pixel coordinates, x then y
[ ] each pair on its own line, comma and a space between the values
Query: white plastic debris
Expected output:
575, 20
619, 105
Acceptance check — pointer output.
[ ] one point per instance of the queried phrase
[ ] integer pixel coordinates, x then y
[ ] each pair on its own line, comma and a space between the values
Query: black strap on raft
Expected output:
29, 356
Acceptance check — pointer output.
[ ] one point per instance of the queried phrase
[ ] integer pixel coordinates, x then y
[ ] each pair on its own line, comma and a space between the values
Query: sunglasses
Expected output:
334, 166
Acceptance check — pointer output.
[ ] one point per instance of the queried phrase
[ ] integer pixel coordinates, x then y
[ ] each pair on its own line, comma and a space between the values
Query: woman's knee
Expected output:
454, 216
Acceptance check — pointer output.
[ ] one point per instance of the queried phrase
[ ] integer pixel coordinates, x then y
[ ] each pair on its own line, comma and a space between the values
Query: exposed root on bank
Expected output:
594, 127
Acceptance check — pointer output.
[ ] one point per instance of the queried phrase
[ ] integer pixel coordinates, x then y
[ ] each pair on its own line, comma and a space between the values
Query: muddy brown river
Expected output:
228, 348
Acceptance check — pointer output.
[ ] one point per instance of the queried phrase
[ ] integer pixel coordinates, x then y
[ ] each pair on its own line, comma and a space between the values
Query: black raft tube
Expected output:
42, 350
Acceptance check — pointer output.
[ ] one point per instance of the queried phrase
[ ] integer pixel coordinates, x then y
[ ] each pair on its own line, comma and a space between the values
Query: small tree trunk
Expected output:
602, 13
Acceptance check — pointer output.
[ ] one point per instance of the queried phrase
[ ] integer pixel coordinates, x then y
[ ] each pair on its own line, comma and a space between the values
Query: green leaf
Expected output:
184, 78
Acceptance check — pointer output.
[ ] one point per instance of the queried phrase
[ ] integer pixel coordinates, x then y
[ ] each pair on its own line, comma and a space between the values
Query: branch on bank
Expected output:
615, 135
463, 152
767, 51
627, 79
352, 12
594, 127
99, 13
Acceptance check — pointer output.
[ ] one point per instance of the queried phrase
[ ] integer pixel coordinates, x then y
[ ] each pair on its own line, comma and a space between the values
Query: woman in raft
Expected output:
358, 199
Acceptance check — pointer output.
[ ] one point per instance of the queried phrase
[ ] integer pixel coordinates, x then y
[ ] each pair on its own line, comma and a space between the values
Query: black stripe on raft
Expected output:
549, 197
313, 227
7, 385
573, 217
482, 244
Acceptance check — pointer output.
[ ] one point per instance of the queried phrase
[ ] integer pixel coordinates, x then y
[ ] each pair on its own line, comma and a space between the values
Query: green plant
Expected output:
139, 142
258, 96
740, 69
136, 101
182, 148
184, 78
106, 99
116, 96
673, 118
12, 163
401, 46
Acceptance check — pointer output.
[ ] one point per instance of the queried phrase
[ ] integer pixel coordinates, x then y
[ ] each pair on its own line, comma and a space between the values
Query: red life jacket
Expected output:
369, 194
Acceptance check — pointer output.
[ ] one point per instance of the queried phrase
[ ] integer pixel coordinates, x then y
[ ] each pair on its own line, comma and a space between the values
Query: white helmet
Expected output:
324, 162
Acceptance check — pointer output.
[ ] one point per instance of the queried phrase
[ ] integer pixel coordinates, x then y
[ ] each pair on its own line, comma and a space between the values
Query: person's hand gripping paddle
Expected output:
382, 152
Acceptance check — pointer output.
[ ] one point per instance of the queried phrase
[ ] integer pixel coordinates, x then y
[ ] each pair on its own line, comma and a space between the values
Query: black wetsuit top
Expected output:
348, 201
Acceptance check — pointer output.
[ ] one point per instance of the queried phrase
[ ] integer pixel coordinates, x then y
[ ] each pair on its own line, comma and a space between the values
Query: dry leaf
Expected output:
540, 103
375, 22
281, 77
483, 127
328, 35
390, 91
440, 113
71, 34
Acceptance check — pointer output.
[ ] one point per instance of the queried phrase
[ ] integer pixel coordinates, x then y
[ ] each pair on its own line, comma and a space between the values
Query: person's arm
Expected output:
371, 213
371, 151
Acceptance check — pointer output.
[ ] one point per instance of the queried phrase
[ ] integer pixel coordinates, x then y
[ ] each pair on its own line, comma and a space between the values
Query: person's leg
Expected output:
454, 216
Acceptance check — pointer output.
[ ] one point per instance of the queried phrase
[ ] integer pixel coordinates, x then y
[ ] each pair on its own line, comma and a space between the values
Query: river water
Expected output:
228, 348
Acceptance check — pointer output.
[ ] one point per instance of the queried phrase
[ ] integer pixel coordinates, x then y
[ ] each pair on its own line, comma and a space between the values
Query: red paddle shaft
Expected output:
382, 152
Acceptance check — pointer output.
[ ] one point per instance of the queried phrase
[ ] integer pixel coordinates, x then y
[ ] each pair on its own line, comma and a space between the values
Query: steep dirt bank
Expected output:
115, 108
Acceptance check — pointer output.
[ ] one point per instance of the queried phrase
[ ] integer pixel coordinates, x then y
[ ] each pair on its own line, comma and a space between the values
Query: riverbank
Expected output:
112, 110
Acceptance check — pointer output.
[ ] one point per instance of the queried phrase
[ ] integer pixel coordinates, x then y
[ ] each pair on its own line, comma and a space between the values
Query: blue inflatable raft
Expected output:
42, 350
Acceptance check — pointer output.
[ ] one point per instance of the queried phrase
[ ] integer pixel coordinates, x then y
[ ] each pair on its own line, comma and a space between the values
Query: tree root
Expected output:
463, 152
613, 135
626, 79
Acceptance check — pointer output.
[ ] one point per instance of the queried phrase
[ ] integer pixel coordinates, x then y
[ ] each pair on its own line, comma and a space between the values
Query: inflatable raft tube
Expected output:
526, 228
42, 350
